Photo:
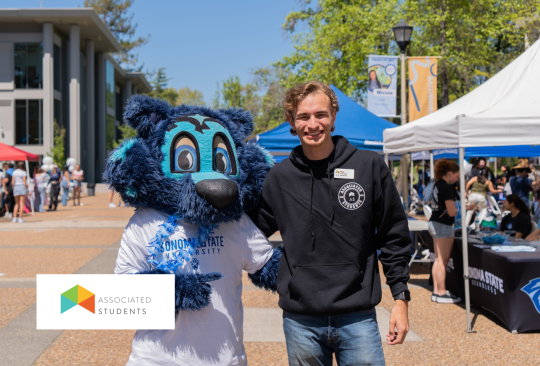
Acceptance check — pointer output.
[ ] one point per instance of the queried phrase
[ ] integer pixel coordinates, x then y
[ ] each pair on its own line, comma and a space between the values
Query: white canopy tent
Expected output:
505, 110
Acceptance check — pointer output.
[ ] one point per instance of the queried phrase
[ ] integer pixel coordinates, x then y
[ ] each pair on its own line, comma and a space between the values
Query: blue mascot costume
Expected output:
192, 179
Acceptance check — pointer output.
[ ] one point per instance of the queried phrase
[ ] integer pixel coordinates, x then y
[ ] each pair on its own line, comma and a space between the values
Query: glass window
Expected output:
109, 79
20, 122
29, 122
28, 65
109, 131
57, 60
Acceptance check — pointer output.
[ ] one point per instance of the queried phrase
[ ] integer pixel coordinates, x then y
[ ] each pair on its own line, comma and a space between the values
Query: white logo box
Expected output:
121, 302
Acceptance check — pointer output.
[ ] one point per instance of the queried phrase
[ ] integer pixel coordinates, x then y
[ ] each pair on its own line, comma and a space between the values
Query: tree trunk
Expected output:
443, 73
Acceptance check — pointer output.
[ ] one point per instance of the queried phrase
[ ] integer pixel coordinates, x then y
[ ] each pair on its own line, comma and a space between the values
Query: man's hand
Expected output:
399, 318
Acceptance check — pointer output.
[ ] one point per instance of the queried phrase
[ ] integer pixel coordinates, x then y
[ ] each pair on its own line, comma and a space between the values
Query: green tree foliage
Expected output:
188, 96
263, 97
115, 14
127, 133
160, 90
475, 38
57, 151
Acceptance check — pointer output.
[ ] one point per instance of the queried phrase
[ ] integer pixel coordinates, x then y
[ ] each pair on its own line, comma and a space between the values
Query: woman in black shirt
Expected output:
441, 227
519, 219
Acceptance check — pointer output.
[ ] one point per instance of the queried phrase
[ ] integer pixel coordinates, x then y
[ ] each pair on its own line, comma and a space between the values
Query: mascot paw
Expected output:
265, 277
192, 289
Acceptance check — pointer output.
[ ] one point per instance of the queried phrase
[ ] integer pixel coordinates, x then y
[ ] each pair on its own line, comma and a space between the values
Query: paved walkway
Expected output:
85, 240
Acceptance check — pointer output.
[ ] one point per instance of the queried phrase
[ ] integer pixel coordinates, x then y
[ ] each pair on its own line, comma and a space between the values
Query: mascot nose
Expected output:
219, 192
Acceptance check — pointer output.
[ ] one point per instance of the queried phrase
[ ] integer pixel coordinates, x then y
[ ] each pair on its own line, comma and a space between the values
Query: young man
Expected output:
335, 206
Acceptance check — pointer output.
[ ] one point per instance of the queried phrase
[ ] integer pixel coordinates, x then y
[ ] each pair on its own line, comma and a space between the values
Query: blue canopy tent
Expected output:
362, 128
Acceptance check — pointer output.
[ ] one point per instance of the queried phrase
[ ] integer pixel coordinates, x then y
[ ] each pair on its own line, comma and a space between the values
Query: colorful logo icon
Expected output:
532, 289
77, 295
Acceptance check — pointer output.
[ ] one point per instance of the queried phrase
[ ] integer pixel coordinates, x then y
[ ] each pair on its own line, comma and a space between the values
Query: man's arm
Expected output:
394, 241
263, 215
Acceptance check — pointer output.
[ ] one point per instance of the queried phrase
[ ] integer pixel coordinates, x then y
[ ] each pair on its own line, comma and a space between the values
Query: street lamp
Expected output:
402, 34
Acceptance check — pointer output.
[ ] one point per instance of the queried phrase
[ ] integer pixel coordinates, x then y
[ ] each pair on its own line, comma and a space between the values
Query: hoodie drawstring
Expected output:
331, 196
310, 208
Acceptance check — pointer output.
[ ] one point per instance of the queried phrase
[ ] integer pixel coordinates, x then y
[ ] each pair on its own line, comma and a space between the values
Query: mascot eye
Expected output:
185, 155
223, 158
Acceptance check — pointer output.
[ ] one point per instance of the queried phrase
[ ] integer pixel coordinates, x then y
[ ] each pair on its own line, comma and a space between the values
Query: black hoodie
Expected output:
331, 229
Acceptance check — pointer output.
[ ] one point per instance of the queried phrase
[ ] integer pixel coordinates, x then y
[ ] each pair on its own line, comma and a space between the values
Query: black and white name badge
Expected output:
343, 173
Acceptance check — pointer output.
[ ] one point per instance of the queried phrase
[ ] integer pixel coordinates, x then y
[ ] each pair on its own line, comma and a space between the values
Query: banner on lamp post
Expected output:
382, 85
422, 86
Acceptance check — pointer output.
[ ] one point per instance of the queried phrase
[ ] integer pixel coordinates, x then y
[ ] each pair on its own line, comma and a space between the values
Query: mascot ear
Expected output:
241, 118
143, 113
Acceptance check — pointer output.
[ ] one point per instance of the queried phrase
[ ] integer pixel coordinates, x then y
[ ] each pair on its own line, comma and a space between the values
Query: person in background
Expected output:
55, 179
65, 185
521, 184
9, 200
535, 235
78, 176
111, 204
479, 187
481, 166
40, 181
503, 178
534, 172
441, 227
20, 189
519, 219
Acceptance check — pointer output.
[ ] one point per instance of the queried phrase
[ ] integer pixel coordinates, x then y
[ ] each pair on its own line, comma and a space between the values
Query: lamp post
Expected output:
402, 34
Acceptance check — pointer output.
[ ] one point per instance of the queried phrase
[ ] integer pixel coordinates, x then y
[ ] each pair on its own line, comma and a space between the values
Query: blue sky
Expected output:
203, 42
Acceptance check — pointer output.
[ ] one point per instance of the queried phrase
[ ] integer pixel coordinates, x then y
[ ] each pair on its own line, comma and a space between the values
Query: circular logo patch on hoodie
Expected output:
351, 196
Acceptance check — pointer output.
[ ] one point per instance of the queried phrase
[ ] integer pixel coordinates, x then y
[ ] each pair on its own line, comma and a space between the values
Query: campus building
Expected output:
55, 65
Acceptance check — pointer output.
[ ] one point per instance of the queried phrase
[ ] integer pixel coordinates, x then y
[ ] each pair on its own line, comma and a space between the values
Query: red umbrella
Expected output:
12, 153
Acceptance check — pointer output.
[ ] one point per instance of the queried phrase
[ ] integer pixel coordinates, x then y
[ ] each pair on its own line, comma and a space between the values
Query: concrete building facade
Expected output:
55, 66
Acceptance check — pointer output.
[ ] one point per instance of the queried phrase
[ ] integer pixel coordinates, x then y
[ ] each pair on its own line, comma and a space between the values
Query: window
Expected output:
28, 65
57, 60
109, 133
29, 122
109, 80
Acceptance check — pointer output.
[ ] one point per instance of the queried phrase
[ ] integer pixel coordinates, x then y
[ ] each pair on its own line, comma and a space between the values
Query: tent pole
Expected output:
30, 193
423, 182
386, 159
464, 237
392, 164
495, 166
431, 166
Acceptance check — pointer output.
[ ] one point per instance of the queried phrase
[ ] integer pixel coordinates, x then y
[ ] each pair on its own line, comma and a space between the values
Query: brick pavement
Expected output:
85, 239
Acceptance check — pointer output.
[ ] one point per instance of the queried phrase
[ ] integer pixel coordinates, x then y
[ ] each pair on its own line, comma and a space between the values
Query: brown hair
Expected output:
518, 203
444, 166
295, 95
20, 165
39, 171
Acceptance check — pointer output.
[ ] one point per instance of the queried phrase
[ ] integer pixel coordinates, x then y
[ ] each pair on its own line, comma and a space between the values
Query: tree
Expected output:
159, 87
339, 37
57, 151
127, 133
188, 96
232, 92
115, 14
476, 39
273, 81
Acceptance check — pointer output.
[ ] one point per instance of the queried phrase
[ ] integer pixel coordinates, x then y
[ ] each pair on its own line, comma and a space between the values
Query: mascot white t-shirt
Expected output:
201, 337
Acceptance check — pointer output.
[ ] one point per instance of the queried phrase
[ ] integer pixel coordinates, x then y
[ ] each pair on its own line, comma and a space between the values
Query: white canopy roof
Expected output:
505, 110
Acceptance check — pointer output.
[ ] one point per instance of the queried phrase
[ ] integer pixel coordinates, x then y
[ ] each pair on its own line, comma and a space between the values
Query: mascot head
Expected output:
188, 161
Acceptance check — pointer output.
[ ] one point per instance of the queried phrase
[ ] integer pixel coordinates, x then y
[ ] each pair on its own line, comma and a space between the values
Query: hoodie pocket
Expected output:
322, 287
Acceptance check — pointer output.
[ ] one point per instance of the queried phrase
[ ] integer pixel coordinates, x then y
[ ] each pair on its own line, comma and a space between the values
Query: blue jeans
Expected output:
65, 191
42, 194
354, 338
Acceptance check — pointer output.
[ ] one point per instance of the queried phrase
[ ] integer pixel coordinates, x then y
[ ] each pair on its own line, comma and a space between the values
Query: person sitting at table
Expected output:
519, 219
441, 227
476, 190
535, 235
